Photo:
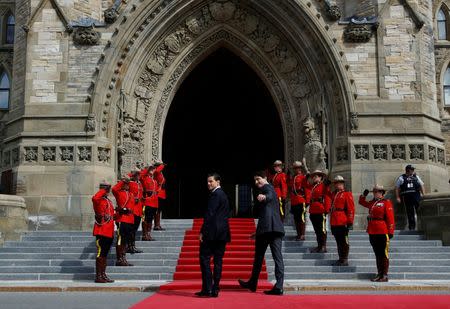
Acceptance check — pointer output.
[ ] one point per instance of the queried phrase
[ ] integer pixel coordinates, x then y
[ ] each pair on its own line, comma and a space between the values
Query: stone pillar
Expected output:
13, 216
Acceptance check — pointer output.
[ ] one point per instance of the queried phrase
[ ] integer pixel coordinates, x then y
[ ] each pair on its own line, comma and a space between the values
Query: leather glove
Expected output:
391, 236
366, 192
327, 182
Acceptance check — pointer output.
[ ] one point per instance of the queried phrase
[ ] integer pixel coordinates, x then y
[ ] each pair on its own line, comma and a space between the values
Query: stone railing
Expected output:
13, 217
434, 216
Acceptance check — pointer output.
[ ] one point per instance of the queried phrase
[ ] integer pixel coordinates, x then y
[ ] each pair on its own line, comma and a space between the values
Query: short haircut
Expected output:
216, 176
261, 174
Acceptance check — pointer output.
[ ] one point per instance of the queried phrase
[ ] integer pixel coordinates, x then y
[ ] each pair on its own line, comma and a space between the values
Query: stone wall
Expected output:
434, 217
13, 216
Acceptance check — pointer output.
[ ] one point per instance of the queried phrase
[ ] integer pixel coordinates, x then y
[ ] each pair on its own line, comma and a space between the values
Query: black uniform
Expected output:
410, 196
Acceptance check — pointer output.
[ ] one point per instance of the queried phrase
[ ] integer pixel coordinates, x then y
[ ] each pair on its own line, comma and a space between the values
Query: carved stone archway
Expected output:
164, 58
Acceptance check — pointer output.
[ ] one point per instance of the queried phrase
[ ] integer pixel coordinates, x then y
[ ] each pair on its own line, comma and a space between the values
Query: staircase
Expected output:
69, 255
412, 257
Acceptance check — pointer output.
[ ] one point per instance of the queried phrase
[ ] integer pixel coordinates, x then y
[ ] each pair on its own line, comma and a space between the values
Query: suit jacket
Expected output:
215, 225
269, 218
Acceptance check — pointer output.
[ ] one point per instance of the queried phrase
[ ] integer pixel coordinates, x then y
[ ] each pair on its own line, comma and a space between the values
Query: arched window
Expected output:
5, 89
447, 87
9, 29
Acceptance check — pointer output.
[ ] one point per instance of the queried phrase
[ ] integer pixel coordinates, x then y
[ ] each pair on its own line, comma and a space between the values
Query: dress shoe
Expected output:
215, 293
376, 279
204, 294
383, 278
247, 285
274, 291
340, 263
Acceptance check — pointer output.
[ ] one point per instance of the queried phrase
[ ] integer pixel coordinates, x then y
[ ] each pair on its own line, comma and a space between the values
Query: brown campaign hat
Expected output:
378, 187
297, 164
277, 163
338, 178
318, 172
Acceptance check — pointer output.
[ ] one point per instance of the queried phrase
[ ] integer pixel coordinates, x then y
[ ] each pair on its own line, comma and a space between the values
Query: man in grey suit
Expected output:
214, 235
269, 232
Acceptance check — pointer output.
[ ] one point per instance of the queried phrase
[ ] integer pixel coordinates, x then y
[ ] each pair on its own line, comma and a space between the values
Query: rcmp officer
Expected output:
150, 186
319, 207
380, 228
408, 190
103, 230
161, 180
137, 190
300, 198
124, 219
279, 182
341, 218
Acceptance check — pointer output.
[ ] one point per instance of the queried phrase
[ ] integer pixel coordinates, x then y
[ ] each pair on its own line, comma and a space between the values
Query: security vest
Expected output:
410, 184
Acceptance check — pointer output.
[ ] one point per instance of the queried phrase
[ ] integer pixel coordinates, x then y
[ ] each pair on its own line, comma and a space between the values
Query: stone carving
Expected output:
362, 24
333, 11
354, 121
342, 154
193, 24
84, 153
110, 15
177, 40
6, 158
66, 154
91, 123
432, 154
15, 156
103, 155
398, 152
49, 154
355, 33
362, 152
222, 10
86, 36
313, 148
380, 152
416, 152
31, 154
441, 155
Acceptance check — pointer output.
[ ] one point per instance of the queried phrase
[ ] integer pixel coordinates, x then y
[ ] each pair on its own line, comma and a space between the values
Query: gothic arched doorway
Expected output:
222, 119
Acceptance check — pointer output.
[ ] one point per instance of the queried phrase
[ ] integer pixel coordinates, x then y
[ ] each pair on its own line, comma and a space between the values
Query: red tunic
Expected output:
381, 216
137, 190
104, 211
342, 208
280, 185
124, 199
159, 177
150, 186
320, 199
300, 190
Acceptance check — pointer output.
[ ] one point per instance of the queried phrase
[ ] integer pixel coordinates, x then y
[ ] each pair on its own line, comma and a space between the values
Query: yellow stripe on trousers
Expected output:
324, 224
386, 251
99, 248
119, 237
303, 212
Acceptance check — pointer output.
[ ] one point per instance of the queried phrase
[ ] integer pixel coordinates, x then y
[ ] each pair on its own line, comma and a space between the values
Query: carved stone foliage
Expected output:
356, 33
380, 152
66, 154
254, 27
333, 11
86, 36
342, 154
104, 155
361, 152
432, 154
49, 154
398, 152
416, 152
84, 153
31, 154
441, 155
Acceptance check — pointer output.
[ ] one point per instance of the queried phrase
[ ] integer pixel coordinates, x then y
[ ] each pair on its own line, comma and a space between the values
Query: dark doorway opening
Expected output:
223, 119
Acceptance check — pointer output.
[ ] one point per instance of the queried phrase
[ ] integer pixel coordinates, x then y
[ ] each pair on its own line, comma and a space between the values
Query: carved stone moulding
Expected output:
342, 154
110, 15
398, 152
361, 152
416, 152
359, 33
31, 154
333, 11
104, 155
86, 36
380, 152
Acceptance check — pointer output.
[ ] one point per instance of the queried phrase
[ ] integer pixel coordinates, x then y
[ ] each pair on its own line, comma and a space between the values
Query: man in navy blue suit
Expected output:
214, 235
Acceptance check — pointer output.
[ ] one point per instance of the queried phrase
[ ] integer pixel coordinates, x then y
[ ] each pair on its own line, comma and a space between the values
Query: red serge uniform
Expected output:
343, 208
159, 177
125, 199
320, 199
381, 216
151, 189
300, 191
104, 213
137, 190
280, 185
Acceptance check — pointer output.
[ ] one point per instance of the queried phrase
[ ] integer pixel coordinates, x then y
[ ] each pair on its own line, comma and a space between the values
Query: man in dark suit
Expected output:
214, 235
269, 232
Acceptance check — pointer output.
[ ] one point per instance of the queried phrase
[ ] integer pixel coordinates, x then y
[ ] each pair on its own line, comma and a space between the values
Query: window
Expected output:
9, 29
5, 88
447, 87
442, 25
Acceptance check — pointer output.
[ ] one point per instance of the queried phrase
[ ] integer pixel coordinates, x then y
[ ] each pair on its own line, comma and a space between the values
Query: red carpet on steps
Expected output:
230, 299
237, 262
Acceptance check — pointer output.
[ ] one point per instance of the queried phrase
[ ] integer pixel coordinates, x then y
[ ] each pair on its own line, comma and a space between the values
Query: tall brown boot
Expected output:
158, 222
121, 259
302, 230
339, 249
379, 269
103, 262
99, 271
345, 252
145, 235
385, 269
323, 243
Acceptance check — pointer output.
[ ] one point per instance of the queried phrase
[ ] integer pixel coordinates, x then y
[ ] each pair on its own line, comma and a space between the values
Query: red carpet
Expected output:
237, 262
229, 299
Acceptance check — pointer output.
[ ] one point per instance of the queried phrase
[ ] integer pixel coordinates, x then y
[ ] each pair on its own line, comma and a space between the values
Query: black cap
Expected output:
410, 167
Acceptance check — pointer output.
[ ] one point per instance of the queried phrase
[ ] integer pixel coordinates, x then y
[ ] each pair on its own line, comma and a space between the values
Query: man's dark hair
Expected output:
261, 174
216, 176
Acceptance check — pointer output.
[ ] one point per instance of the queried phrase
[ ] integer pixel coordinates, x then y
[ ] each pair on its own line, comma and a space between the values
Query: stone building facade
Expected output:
358, 85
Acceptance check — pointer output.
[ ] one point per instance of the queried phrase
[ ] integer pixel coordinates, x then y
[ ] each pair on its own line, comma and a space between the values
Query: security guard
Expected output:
300, 198
319, 207
124, 219
150, 186
137, 190
161, 180
380, 228
408, 190
103, 230
341, 218
279, 183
